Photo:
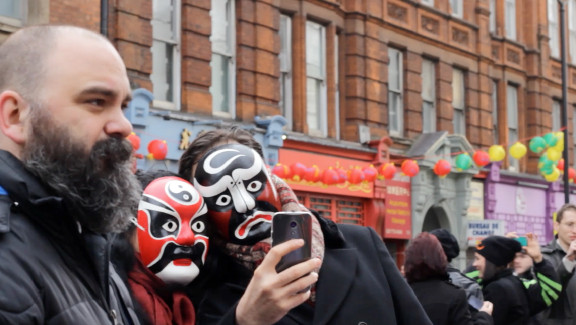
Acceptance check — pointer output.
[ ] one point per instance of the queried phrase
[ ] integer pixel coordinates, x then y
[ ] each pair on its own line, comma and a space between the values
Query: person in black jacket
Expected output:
499, 284
65, 177
358, 281
444, 302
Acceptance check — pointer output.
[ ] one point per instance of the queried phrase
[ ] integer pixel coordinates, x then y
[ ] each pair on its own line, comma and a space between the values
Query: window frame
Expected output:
512, 114
429, 115
14, 21
553, 28
396, 113
458, 4
510, 19
457, 109
286, 69
495, 124
227, 53
572, 30
316, 80
174, 84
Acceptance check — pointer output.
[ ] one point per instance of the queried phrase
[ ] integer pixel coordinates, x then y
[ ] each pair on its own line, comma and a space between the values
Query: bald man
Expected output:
65, 177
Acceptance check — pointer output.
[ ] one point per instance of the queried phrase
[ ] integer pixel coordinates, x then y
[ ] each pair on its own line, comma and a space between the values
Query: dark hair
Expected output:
425, 258
145, 177
564, 208
207, 140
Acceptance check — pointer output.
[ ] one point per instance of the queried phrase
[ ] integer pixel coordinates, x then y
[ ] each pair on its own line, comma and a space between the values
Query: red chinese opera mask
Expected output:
238, 191
172, 234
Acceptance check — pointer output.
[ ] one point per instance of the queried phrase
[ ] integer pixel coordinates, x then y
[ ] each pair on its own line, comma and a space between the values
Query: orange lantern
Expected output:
330, 176
298, 169
387, 171
561, 165
356, 175
442, 168
571, 174
342, 175
134, 140
481, 158
370, 172
410, 168
312, 174
158, 149
282, 171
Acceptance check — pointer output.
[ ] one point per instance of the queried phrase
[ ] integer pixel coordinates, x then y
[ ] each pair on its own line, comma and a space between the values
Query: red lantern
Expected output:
356, 175
342, 175
387, 171
561, 165
312, 174
134, 140
298, 170
442, 168
410, 168
330, 176
481, 158
282, 171
158, 149
370, 172
571, 174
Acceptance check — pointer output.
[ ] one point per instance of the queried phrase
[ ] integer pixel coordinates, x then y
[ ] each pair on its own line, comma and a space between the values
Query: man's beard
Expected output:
98, 187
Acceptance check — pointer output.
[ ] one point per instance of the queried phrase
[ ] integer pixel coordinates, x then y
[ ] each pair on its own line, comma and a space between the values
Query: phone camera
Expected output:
293, 224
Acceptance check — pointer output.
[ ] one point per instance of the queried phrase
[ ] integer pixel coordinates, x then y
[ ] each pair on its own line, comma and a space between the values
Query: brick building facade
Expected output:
345, 73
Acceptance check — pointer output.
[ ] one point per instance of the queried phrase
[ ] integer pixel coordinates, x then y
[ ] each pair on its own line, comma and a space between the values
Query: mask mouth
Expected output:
251, 222
174, 252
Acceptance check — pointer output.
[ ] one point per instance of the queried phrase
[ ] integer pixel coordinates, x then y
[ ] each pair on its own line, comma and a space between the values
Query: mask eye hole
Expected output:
170, 226
254, 186
198, 227
224, 200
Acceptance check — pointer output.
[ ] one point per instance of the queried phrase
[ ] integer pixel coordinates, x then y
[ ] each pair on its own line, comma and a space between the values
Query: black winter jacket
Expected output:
50, 271
563, 311
507, 293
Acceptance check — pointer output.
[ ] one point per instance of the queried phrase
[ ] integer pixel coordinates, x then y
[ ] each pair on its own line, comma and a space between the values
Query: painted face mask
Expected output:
238, 191
173, 237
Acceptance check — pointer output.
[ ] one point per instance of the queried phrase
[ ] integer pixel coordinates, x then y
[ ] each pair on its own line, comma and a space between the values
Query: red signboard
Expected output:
398, 218
289, 157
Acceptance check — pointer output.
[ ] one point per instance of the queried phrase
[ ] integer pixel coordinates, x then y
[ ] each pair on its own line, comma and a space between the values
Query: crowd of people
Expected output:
86, 240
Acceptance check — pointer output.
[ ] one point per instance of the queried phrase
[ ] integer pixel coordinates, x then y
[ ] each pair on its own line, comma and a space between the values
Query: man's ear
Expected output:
13, 112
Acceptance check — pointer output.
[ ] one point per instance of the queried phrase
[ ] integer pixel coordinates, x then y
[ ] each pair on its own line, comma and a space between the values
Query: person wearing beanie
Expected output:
452, 250
499, 284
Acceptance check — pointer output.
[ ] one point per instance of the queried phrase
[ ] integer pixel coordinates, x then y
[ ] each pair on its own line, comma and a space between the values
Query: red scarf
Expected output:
148, 290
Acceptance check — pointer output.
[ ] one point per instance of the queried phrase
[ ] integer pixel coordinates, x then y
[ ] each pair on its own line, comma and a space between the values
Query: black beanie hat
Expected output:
448, 241
499, 250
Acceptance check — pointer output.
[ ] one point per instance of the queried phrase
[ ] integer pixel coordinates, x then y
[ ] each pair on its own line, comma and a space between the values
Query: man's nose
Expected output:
118, 125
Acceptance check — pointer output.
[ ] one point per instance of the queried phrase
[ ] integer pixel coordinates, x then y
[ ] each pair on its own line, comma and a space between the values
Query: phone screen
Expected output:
292, 225
522, 240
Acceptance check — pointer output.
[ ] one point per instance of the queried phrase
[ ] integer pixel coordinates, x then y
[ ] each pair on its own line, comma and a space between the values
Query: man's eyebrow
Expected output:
99, 91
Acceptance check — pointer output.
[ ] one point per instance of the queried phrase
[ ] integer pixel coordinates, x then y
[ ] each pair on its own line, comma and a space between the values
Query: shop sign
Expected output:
480, 229
476, 207
398, 212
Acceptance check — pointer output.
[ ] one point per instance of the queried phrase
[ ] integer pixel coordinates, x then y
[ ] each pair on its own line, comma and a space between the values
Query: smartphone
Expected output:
522, 240
292, 225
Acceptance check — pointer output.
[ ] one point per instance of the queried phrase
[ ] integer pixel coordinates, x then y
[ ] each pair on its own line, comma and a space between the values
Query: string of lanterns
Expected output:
549, 147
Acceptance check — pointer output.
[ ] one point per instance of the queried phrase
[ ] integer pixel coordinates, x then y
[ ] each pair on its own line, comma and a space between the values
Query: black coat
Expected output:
507, 293
50, 273
446, 304
358, 282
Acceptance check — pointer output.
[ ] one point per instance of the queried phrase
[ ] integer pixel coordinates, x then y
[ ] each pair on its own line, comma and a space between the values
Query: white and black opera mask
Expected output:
238, 191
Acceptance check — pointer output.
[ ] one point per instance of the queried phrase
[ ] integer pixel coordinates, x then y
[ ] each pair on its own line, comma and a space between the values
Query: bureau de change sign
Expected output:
480, 229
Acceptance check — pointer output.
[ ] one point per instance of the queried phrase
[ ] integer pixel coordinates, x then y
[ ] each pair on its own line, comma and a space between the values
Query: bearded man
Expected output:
65, 177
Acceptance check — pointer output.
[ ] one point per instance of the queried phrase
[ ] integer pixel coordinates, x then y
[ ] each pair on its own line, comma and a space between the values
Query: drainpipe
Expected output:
104, 17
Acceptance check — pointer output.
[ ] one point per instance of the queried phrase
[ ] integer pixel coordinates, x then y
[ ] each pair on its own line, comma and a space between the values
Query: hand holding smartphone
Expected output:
292, 225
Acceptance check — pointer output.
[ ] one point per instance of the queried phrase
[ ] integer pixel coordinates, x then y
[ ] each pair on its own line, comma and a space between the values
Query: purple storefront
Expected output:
526, 203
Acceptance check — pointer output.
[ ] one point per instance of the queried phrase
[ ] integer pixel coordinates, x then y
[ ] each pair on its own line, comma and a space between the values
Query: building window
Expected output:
553, 29
166, 53
222, 63
337, 209
573, 133
495, 111
456, 6
395, 91
556, 124
512, 120
428, 96
13, 12
316, 104
459, 101
493, 16
285, 58
510, 11
572, 29
337, 85
428, 2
